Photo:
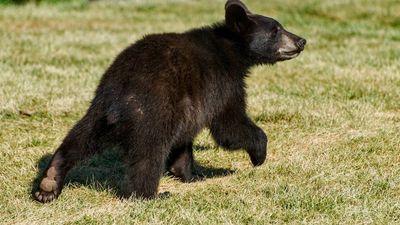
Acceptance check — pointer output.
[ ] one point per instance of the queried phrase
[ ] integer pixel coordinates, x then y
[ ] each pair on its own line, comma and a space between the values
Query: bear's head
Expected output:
265, 38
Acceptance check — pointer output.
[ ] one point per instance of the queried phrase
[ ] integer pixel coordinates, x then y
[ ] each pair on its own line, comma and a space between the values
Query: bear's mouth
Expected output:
286, 55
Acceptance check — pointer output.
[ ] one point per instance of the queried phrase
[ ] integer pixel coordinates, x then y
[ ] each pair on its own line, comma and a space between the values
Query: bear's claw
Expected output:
44, 196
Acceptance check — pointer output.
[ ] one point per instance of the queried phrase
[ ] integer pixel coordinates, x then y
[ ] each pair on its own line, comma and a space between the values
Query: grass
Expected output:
332, 116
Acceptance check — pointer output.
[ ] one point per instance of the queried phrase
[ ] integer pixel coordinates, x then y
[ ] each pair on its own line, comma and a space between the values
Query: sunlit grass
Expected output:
332, 116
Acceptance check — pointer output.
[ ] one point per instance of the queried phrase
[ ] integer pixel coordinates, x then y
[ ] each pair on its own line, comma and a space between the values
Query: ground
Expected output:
332, 116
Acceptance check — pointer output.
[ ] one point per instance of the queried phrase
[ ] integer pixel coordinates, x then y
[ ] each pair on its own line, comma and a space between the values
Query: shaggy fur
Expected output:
161, 91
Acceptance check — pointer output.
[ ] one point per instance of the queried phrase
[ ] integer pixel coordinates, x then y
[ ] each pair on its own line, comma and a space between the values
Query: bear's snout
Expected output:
301, 44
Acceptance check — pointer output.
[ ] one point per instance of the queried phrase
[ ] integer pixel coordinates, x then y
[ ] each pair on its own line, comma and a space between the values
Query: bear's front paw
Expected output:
258, 157
257, 160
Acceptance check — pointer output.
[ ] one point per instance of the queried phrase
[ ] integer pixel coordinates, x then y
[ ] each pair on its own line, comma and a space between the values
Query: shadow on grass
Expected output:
102, 172
210, 172
106, 171
200, 148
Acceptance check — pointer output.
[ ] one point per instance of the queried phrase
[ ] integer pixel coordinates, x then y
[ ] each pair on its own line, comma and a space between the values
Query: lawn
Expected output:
332, 116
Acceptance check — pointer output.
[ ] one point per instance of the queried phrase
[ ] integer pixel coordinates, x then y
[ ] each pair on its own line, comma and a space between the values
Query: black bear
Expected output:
162, 90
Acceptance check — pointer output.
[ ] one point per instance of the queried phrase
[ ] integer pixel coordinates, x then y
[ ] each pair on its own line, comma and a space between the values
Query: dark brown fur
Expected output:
161, 91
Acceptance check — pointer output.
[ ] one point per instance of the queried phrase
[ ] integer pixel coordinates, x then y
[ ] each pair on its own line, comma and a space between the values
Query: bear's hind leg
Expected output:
145, 165
79, 143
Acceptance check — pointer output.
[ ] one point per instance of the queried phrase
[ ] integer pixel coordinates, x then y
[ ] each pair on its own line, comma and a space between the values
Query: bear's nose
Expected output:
301, 43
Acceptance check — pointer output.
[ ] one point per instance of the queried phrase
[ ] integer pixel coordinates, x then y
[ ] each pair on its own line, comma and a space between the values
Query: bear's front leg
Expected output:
233, 130
180, 163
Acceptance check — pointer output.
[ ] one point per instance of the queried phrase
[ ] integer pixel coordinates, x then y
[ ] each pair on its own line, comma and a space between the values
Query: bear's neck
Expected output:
225, 46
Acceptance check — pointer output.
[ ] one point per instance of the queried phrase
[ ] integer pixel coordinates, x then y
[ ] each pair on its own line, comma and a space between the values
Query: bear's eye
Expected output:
275, 30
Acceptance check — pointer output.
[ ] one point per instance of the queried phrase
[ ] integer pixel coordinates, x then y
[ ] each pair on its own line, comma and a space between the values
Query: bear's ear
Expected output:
237, 16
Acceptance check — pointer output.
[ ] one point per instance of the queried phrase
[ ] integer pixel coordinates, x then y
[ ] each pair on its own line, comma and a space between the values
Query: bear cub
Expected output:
161, 91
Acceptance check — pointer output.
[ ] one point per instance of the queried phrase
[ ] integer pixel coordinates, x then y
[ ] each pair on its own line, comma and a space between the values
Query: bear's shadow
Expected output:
106, 171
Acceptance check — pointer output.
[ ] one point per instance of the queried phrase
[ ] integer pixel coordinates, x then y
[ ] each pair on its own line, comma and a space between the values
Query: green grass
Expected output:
41, 2
332, 116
